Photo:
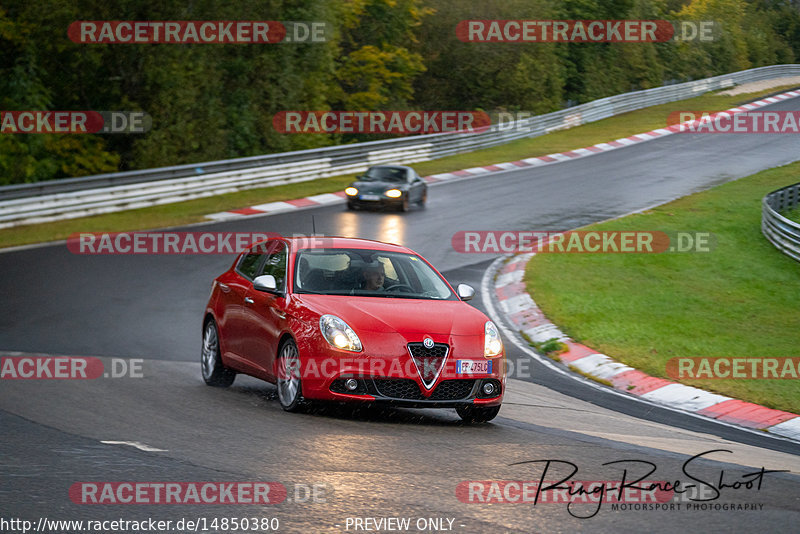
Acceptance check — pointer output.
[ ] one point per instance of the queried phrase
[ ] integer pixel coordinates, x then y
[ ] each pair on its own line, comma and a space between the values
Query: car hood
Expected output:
377, 187
404, 316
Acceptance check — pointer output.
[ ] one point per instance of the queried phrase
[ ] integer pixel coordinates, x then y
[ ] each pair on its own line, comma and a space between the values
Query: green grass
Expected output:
740, 300
793, 214
192, 211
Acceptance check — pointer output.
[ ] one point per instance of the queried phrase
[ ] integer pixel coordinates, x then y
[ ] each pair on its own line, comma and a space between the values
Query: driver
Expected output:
374, 275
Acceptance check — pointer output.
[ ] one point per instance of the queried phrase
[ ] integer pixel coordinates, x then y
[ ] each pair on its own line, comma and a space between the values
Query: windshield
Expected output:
385, 174
370, 273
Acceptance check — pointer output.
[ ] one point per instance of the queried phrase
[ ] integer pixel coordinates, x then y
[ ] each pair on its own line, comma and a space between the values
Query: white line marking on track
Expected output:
135, 444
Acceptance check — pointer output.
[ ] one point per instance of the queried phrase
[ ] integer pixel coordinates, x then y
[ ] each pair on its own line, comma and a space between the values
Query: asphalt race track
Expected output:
369, 462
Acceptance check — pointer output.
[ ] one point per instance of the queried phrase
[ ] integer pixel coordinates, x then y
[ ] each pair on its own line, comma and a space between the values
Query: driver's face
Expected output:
373, 278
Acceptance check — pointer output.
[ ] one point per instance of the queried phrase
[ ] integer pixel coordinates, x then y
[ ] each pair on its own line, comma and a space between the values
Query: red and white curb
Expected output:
522, 312
325, 199
549, 159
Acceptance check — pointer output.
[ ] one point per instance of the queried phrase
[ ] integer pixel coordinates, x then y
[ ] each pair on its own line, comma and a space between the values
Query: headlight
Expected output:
339, 334
394, 193
351, 191
492, 345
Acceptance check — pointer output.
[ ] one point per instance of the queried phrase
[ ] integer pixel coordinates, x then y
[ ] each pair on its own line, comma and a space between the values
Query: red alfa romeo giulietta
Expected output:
352, 320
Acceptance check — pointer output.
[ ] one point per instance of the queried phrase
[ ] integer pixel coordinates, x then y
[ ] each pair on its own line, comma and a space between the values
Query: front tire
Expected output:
290, 388
477, 414
423, 199
405, 205
214, 371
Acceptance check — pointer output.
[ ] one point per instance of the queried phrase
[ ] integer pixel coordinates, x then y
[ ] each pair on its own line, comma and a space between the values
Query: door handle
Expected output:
280, 314
249, 300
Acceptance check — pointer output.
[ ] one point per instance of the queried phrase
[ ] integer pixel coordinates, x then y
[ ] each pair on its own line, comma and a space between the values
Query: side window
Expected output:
249, 263
276, 266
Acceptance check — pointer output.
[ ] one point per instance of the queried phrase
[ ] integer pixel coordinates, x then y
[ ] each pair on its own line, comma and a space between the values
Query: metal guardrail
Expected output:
780, 231
77, 197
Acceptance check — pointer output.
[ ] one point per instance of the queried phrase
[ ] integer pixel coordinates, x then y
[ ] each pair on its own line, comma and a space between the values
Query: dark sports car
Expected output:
352, 320
395, 186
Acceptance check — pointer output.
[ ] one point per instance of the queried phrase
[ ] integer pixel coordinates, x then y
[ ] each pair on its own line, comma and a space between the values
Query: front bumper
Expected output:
383, 202
394, 378
406, 392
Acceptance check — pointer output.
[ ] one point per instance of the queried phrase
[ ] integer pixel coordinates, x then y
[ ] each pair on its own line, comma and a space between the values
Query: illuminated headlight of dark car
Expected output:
394, 193
492, 344
339, 334
351, 191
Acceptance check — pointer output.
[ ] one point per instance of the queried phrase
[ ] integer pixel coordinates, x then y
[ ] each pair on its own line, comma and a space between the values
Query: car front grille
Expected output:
406, 389
398, 388
453, 389
429, 361
418, 350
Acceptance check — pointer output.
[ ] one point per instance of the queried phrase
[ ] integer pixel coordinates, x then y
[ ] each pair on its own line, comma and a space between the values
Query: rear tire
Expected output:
290, 388
477, 414
214, 371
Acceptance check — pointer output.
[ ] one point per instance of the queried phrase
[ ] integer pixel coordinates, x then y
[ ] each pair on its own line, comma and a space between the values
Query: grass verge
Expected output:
793, 214
740, 300
193, 211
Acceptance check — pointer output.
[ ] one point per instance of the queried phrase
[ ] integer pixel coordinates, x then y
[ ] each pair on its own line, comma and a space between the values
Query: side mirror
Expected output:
465, 292
265, 282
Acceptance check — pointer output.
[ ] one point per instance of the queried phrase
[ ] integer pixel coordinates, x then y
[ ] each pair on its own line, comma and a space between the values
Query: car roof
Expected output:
304, 242
406, 167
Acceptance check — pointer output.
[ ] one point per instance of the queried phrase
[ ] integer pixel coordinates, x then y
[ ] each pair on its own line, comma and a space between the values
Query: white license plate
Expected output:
370, 197
473, 367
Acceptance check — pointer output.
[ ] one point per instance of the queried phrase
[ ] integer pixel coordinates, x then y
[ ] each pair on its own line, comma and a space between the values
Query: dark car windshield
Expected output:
385, 174
371, 273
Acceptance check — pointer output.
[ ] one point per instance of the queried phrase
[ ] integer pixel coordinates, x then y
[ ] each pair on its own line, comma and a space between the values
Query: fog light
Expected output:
488, 388
351, 384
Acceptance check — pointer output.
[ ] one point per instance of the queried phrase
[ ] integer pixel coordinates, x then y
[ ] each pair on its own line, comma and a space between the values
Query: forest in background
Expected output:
216, 101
